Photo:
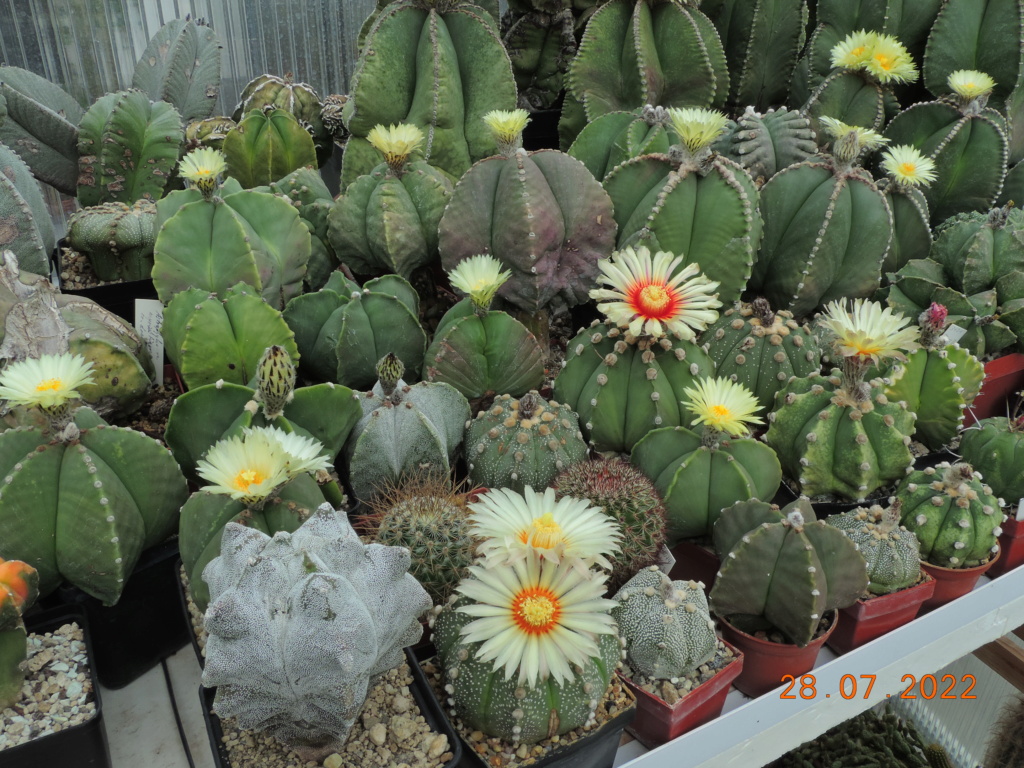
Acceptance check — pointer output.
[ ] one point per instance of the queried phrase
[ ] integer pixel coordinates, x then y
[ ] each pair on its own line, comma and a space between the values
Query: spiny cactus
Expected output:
209, 132
117, 238
1006, 743
181, 65
615, 137
995, 447
300, 99
300, 623
27, 229
766, 143
267, 145
19, 587
893, 553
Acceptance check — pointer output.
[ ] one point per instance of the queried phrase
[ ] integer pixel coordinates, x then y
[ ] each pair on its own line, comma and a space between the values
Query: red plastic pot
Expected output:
1011, 547
872, 617
657, 722
951, 583
695, 563
765, 663
1004, 376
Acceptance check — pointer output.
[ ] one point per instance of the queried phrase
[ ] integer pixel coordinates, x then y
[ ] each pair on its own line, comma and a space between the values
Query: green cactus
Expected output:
892, 552
953, 514
979, 249
39, 121
208, 132
540, 47
343, 330
298, 98
214, 337
907, 169
240, 236
615, 137
128, 147
415, 68
804, 567
19, 587
995, 447
267, 145
117, 238
761, 349
766, 143
331, 116
405, 430
27, 229
181, 65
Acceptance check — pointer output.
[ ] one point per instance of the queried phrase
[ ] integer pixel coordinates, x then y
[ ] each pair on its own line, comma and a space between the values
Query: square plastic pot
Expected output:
951, 583
83, 745
872, 617
1004, 377
1011, 545
657, 722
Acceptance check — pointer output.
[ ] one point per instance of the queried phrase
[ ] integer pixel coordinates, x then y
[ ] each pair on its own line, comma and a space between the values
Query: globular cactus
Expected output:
761, 349
342, 612
522, 442
27, 230
540, 47
210, 337
615, 137
804, 568
541, 214
267, 145
892, 552
101, 494
19, 587
626, 495
398, 80
300, 99
181, 65
658, 202
803, 265
906, 170
995, 447
405, 430
766, 143
479, 351
386, 221
953, 513
39, 121
698, 475
980, 249
117, 238
209, 132
128, 147
343, 330
331, 116
666, 625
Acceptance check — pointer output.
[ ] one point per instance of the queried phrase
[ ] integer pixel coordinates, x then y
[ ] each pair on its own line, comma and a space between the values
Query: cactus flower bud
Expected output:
275, 377
389, 371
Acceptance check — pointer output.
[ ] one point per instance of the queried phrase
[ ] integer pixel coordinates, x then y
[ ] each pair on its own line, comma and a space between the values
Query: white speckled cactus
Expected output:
666, 625
299, 623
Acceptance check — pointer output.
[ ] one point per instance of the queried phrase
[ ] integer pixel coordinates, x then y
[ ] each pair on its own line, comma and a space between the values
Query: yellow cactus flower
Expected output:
396, 143
697, 128
868, 331
853, 51
970, 83
203, 167
247, 468
890, 61
723, 405
907, 166
302, 454
48, 381
507, 126
479, 277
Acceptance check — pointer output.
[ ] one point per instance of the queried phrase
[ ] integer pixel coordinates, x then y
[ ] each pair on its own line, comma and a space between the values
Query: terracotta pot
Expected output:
1011, 547
951, 583
657, 722
1004, 376
765, 663
872, 617
694, 563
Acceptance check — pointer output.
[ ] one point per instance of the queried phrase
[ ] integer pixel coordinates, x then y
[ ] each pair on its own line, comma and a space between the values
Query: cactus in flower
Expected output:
343, 330
995, 448
906, 170
386, 221
27, 230
698, 475
541, 214
267, 145
761, 349
805, 568
817, 414
615, 137
181, 65
404, 430
659, 200
892, 552
298, 98
343, 611
101, 494
666, 625
19, 587
117, 238
827, 228
644, 355
766, 143
479, 351
953, 513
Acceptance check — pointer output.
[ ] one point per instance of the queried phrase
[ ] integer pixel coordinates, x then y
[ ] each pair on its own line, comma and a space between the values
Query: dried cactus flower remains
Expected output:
395, 143
202, 168
907, 166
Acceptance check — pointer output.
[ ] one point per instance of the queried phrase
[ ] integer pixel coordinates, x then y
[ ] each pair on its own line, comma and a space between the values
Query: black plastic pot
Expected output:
145, 626
183, 600
119, 298
83, 745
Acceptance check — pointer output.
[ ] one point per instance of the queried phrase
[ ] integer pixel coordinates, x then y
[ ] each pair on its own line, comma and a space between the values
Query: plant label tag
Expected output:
954, 333
149, 319
1020, 510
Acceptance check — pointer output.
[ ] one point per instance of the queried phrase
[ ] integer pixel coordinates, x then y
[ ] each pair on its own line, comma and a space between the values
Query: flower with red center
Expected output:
650, 298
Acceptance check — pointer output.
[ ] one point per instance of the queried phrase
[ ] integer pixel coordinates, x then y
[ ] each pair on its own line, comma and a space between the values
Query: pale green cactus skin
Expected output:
615, 137
27, 230
181, 65
851, 96
893, 552
996, 449
766, 143
911, 230
540, 46
208, 132
117, 238
666, 625
300, 99
267, 145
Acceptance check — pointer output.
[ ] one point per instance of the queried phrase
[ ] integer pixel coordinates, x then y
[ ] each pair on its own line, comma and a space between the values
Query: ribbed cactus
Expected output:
804, 568
761, 349
117, 238
181, 65
209, 132
300, 99
386, 221
27, 229
978, 250
615, 137
128, 147
267, 145
19, 587
892, 552
540, 46
343, 330
212, 337
906, 171
522, 442
995, 448
39, 121
404, 430
766, 143
399, 79
953, 514
341, 613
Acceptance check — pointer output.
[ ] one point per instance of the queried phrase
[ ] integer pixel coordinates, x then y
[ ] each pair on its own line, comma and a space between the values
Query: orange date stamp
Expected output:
850, 686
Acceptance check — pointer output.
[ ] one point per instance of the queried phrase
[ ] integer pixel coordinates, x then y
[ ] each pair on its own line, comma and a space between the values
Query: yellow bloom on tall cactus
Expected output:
970, 83
479, 277
869, 331
890, 61
396, 142
696, 127
48, 381
246, 468
203, 167
854, 50
536, 617
723, 405
507, 125
648, 299
908, 166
